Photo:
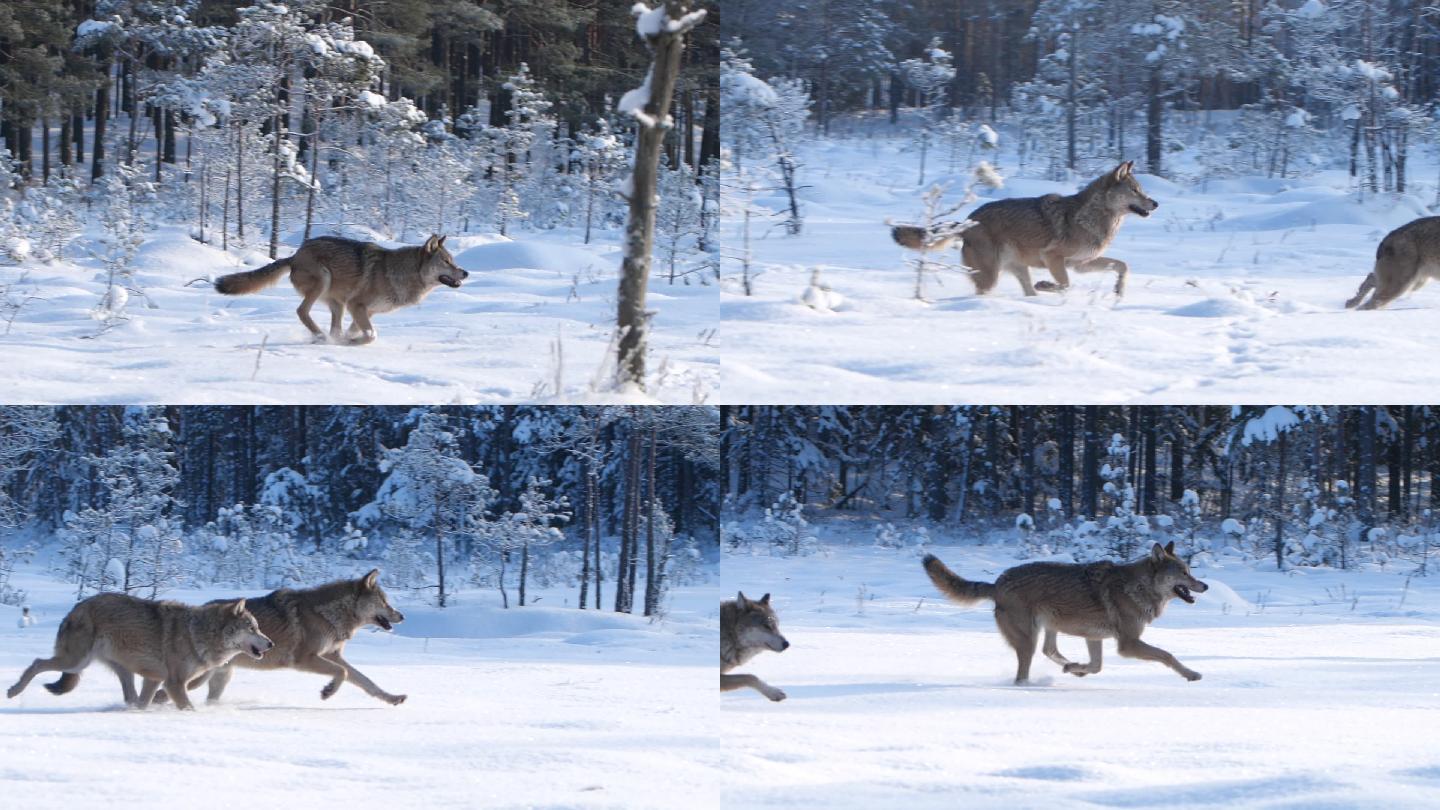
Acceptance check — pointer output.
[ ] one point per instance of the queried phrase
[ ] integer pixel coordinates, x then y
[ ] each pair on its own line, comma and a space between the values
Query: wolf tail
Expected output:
252, 280
960, 590
73, 642
913, 237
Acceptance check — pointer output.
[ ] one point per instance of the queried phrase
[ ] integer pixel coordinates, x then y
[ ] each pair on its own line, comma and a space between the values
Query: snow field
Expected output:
531, 707
532, 323
1320, 689
1236, 293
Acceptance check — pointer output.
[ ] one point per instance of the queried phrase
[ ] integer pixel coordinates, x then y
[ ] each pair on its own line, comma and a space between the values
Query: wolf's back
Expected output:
957, 588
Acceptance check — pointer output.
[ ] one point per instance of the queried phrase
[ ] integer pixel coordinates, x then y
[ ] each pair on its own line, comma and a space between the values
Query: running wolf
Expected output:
747, 628
1054, 232
361, 276
165, 642
1407, 257
1096, 600
310, 628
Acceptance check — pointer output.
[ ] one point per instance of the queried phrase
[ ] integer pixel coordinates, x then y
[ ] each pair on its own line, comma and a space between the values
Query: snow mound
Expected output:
1218, 308
1388, 211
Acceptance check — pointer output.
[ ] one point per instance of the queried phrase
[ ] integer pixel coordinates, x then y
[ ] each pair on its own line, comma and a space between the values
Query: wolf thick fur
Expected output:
1407, 257
748, 627
1095, 601
165, 642
360, 276
1054, 232
310, 628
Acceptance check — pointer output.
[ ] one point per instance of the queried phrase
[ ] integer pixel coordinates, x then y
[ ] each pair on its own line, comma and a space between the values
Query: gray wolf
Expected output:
165, 642
360, 276
310, 628
1054, 232
1096, 601
748, 627
1407, 257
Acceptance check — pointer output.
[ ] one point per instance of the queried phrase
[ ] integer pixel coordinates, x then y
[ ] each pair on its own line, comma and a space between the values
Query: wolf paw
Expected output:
775, 695
1048, 286
1191, 675
329, 691
12, 691
1078, 670
395, 700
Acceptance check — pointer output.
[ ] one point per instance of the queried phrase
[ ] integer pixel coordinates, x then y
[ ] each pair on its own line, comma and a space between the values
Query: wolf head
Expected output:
437, 266
757, 625
372, 606
1172, 576
239, 631
1123, 193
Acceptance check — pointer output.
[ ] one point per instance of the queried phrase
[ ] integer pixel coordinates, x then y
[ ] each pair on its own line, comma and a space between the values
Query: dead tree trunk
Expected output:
667, 39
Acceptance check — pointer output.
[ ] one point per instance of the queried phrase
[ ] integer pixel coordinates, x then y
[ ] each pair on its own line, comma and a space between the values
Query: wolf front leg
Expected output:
1081, 670
358, 678
1101, 264
1135, 648
729, 683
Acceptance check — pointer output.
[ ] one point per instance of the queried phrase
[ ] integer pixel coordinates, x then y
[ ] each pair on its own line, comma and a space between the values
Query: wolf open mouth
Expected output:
1135, 209
449, 282
256, 652
381, 620
1184, 593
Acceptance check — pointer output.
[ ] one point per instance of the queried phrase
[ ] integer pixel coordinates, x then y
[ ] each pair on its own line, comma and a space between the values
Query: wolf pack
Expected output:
1094, 601
1060, 233
176, 648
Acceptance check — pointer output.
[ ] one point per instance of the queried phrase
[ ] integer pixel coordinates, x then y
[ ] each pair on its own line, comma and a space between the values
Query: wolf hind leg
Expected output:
1365, 286
360, 319
127, 682
1395, 275
148, 686
1018, 628
36, 667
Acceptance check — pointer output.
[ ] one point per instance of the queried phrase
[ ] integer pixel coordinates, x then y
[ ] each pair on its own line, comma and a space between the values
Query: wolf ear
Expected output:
371, 579
741, 600
765, 600
432, 244
238, 608
1157, 552
1170, 548
440, 243
1122, 170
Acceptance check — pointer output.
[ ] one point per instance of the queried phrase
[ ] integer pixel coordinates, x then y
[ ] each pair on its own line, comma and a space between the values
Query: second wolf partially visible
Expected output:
1054, 232
1407, 257
310, 628
165, 642
1096, 601
748, 627
360, 276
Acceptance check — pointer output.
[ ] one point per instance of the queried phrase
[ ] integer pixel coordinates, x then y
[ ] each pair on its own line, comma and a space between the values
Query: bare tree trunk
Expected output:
314, 175
102, 107
652, 586
275, 190
632, 320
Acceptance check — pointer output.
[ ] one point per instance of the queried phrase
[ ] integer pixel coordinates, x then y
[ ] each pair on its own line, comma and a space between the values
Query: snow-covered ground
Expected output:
1321, 689
1236, 293
536, 313
531, 707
